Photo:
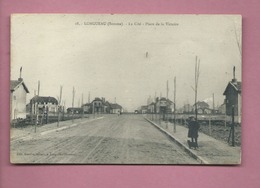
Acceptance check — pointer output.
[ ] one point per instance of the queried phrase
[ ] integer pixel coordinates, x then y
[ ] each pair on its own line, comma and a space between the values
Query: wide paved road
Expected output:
125, 139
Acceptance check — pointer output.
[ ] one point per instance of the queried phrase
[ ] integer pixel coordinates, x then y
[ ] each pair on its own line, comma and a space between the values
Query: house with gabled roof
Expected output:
233, 99
164, 105
151, 107
97, 105
18, 92
115, 108
43, 104
202, 107
74, 110
100, 105
86, 108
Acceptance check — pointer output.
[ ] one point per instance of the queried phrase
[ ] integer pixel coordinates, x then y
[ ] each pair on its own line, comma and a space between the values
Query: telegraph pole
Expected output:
59, 106
174, 128
167, 90
232, 129
197, 71
233, 126
63, 109
213, 103
36, 110
82, 105
167, 95
73, 95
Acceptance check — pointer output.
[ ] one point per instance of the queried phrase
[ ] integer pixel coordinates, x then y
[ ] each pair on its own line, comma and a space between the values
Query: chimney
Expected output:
234, 80
20, 78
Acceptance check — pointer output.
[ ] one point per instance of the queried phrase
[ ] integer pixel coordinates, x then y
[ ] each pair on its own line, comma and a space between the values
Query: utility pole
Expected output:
59, 106
36, 110
213, 105
39, 87
73, 95
233, 126
167, 90
213, 112
174, 128
232, 129
166, 110
63, 109
82, 106
197, 73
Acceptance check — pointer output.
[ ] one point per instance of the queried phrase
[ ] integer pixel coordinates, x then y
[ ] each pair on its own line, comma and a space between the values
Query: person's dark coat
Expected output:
193, 129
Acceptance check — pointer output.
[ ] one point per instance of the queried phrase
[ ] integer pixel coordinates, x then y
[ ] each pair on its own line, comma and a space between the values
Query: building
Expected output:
18, 92
222, 109
100, 105
43, 104
115, 108
187, 108
97, 106
151, 107
233, 99
73, 110
164, 105
86, 108
144, 109
107, 107
202, 107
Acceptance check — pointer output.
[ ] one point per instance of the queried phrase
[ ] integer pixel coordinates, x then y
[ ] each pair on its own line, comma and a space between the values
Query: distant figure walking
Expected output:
193, 133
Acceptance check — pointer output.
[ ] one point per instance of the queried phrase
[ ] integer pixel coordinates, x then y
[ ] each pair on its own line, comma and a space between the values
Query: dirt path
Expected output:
126, 139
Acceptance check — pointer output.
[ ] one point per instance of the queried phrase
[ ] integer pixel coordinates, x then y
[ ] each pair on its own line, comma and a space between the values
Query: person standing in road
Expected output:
193, 126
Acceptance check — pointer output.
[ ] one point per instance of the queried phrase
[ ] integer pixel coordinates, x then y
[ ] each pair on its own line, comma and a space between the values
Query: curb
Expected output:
53, 130
179, 143
68, 126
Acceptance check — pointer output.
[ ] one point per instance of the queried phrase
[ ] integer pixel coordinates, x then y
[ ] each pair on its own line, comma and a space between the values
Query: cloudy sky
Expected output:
127, 57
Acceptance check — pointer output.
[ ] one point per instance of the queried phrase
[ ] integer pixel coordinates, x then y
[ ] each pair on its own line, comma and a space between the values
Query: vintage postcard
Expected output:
125, 89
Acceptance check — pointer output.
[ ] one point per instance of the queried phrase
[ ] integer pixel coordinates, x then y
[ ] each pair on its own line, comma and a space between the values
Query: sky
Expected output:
125, 58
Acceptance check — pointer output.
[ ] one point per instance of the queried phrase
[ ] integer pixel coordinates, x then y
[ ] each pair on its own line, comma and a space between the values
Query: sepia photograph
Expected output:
126, 89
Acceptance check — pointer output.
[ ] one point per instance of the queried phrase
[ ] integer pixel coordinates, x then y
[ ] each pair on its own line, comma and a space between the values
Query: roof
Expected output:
163, 99
14, 84
106, 103
202, 104
44, 99
115, 106
74, 108
101, 100
237, 86
97, 99
169, 102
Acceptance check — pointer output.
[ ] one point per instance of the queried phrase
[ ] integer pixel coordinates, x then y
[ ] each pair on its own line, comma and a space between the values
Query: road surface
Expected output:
125, 139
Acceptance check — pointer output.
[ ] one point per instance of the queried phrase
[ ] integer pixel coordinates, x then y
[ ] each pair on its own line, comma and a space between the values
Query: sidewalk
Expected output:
29, 131
210, 151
